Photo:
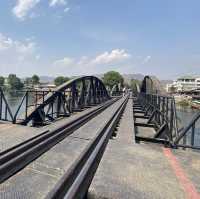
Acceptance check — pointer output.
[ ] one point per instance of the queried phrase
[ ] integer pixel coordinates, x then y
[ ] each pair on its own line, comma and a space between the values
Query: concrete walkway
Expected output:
130, 170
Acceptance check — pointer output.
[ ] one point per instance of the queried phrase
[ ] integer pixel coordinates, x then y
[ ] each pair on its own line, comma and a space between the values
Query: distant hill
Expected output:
137, 76
47, 79
165, 82
129, 77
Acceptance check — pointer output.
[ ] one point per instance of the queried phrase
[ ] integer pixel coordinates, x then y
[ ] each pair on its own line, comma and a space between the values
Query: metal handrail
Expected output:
186, 131
72, 96
163, 109
176, 119
19, 107
8, 112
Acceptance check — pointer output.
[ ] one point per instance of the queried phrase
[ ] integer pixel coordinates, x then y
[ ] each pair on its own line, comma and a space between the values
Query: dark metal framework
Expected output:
160, 110
190, 135
17, 157
72, 96
5, 111
151, 85
116, 90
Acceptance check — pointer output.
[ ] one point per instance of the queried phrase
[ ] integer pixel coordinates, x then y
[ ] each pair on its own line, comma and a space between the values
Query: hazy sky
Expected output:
73, 37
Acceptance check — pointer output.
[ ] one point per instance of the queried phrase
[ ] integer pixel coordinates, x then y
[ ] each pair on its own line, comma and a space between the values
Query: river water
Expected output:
185, 114
14, 99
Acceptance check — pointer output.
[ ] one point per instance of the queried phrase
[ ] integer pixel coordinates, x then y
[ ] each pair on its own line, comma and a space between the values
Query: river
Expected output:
185, 114
14, 100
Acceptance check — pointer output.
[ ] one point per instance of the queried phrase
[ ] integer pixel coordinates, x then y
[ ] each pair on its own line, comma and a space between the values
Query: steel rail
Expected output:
19, 156
46, 133
76, 181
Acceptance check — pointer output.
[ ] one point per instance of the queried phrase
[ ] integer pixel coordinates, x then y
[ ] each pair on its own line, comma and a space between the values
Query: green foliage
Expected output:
35, 79
14, 83
60, 80
2, 80
28, 81
112, 78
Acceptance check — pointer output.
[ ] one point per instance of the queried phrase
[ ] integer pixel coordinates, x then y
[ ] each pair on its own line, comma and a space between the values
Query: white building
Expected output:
45, 86
186, 83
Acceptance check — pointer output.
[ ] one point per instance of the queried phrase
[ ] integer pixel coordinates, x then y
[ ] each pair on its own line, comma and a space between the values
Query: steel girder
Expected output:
152, 85
71, 96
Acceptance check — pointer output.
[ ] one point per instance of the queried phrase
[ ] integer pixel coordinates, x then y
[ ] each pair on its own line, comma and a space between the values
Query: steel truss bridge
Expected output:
84, 113
56, 115
40, 107
159, 112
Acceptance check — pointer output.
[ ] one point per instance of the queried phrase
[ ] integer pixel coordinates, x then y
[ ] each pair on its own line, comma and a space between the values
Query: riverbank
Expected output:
187, 101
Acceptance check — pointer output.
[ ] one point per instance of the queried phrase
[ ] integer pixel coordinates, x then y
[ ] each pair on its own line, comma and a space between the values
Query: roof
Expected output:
188, 77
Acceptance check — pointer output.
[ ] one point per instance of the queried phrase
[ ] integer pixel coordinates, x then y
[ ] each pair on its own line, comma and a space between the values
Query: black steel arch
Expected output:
151, 85
71, 96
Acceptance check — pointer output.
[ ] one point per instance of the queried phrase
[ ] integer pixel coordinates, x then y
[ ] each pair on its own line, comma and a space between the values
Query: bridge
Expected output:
82, 141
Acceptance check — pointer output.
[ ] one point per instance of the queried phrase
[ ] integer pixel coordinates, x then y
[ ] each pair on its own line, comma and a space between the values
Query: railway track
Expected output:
76, 181
79, 175
17, 157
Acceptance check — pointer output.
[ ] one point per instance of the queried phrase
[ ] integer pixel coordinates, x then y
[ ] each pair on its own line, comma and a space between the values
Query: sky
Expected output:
84, 37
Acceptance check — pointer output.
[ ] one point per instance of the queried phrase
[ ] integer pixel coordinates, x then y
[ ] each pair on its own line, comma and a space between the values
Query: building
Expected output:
45, 86
185, 83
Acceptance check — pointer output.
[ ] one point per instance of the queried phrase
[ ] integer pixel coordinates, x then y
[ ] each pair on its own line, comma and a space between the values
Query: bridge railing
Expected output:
115, 91
63, 104
30, 99
40, 107
5, 111
162, 113
189, 136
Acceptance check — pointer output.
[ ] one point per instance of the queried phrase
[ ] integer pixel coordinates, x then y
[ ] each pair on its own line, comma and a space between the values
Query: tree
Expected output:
28, 81
2, 80
35, 79
60, 80
112, 78
14, 82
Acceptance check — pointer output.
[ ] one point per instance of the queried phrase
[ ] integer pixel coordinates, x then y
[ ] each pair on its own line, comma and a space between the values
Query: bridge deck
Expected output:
39, 177
127, 170
130, 170
13, 134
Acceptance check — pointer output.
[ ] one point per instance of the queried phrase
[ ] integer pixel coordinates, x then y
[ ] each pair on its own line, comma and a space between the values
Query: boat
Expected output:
195, 104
